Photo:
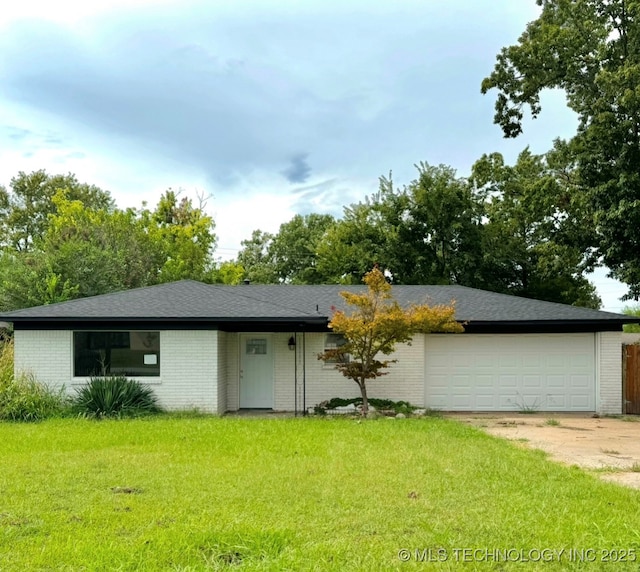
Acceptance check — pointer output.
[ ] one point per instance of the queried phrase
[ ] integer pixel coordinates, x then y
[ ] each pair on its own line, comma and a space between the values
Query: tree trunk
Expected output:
365, 399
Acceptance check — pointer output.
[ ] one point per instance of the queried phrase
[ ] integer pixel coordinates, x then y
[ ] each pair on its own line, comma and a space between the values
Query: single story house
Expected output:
223, 348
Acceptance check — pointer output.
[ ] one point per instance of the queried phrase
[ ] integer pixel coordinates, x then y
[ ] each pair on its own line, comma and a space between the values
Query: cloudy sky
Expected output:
272, 107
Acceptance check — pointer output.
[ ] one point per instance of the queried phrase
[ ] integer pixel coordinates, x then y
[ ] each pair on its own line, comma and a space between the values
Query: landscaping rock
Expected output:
400, 416
343, 410
359, 407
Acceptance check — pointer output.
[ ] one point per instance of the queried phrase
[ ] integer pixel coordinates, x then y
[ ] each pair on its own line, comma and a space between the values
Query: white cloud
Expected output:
69, 11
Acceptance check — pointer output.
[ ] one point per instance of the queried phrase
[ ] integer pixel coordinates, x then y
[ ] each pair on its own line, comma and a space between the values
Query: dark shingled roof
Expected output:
188, 301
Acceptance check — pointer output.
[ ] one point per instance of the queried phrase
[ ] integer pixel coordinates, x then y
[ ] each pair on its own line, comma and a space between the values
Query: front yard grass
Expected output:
201, 493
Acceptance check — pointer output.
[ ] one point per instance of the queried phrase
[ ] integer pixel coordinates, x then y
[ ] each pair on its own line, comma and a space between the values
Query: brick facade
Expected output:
200, 369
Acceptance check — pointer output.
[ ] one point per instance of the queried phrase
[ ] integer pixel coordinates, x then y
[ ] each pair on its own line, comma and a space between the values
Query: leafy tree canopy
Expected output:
591, 50
86, 250
426, 233
256, 258
290, 256
294, 248
513, 229
26, 206
182, 238
533, 235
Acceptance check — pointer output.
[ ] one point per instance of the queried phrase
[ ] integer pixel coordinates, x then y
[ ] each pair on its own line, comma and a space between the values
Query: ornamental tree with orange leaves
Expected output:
375, 325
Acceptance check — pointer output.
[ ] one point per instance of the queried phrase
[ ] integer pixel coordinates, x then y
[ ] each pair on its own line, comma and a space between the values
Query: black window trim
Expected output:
149, 378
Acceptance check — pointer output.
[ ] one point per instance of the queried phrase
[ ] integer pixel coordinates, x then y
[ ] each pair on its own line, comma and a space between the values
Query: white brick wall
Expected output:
405, 380
222, 372
283, 367
189, 365
47, 354
233, 372
189, 370
200, 369
609, 372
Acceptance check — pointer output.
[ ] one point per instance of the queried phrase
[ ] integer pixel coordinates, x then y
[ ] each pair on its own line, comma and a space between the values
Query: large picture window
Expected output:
134, 354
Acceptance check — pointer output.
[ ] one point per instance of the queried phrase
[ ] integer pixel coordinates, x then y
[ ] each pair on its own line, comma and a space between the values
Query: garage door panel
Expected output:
553, 372
439, 383
531, 400
555, 360
579, 402
580, 381
485, 401
484, 360
506, 360
440, 360
531, 360
484, 381
462, 381
464, 360
507, 402
461, 402
531, 381
555, 381
440, 401
558, 402
507, 381
579, 360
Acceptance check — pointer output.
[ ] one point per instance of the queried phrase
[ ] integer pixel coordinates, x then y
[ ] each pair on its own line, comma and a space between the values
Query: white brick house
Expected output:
224, 348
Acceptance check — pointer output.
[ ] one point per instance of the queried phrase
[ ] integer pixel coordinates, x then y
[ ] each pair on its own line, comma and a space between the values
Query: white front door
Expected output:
256, 372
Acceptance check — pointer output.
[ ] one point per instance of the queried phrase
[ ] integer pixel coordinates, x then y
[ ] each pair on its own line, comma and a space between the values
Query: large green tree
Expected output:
256, 258
437, 228
29, 279
354, 244
532, 238
85, 251
98, 250
632, 311
591, 50
182, 238
425, 233
290, 256
514, 229
295, 248
25, 207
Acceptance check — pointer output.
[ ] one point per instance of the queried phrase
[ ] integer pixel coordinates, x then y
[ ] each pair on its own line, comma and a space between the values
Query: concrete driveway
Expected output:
575, 439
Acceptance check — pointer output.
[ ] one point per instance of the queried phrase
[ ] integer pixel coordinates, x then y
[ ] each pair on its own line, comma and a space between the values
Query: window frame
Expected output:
81, 376
333, 346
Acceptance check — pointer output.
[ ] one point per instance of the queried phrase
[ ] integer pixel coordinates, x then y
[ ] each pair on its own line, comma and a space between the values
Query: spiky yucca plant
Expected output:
115, 396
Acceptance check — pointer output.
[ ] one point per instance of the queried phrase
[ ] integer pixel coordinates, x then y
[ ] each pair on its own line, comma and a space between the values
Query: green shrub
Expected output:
6, 362
114, 396
22, 397
379, 404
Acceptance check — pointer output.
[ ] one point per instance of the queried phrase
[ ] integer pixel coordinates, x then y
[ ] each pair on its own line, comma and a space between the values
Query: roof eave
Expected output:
543, 326
199, 319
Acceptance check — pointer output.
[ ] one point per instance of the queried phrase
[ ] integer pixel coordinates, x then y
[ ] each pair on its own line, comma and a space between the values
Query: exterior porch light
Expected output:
292, 343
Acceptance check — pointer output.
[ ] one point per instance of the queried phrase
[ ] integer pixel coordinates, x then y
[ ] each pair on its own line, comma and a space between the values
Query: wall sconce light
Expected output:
292, 343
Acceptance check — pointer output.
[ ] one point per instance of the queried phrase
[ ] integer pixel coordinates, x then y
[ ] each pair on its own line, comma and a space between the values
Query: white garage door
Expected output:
510, 372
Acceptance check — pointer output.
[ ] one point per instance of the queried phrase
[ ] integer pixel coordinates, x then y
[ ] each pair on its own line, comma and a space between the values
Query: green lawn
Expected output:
199, 493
